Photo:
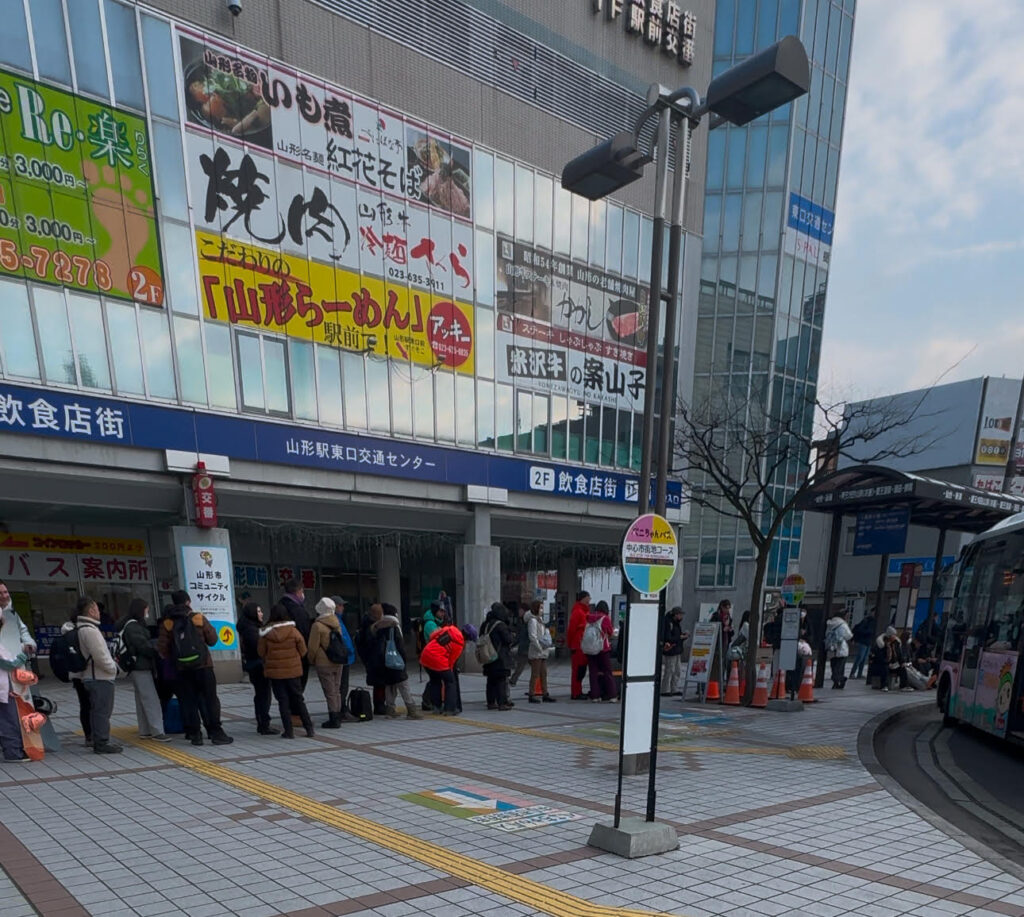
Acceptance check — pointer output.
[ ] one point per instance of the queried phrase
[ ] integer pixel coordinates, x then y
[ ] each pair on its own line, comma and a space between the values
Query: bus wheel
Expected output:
943, 698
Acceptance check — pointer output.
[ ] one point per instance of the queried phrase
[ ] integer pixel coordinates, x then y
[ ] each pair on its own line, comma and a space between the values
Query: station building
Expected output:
320, 247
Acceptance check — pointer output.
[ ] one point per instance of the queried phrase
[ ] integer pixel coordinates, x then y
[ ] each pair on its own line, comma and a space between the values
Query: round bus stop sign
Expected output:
649, 553
793, 588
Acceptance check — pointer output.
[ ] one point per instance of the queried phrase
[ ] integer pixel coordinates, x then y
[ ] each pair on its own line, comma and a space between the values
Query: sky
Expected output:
927, 276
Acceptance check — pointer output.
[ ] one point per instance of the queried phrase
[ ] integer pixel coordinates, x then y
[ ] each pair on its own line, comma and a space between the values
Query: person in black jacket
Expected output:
672, 639
294, 601
496, 627
248, 639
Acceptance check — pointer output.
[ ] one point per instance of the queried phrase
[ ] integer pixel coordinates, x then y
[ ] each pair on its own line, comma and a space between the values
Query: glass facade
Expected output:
478, 306
770, 196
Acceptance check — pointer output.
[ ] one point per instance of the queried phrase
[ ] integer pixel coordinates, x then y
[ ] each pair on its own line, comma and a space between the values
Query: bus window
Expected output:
956, 622
1004, 629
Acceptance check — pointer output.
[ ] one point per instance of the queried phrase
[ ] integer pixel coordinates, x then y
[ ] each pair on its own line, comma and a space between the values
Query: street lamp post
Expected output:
752, 88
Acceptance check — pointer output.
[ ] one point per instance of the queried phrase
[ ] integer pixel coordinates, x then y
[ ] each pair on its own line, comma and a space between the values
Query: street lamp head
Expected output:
761, 83
605, 168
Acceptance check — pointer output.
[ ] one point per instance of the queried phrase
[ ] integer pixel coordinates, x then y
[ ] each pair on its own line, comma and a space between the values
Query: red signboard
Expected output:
205, 498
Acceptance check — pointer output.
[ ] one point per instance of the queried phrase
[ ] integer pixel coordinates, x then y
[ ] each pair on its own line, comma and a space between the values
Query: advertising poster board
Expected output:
703, 647
208, 575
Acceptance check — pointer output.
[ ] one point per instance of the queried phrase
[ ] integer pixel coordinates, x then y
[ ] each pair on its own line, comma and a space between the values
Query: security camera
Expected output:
235, 7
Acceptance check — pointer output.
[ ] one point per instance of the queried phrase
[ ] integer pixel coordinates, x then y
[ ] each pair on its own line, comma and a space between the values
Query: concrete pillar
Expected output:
568, 578
389, 585
477, 575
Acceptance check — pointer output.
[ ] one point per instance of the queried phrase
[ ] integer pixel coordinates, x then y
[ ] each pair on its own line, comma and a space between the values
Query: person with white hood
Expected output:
16, 645
837, 637
319, 653
98, 675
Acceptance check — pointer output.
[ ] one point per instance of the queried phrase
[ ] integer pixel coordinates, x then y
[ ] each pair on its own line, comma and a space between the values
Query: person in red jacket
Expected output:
439, 657
573, 636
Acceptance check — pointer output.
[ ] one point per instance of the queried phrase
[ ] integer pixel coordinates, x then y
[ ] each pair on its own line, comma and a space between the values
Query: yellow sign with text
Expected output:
72, 544
272, 291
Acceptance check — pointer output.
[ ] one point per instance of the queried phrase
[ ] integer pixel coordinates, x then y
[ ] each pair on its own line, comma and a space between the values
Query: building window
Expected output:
55, 337
87, 44
50, 40
250, 372
14, 46
161, 80
86, 317
18, 341
353, 385
220, 371
123, 334
156, 353
123, 35
328, 385
303, 375
188, 347
275, 376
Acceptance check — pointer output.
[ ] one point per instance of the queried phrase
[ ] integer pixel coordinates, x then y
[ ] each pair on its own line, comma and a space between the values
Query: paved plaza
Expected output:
487, 813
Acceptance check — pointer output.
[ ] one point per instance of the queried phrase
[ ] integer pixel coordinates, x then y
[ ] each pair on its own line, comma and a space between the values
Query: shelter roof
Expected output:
932, 503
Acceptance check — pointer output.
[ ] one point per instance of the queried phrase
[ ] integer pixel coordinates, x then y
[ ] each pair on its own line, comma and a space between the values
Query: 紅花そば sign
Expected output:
279, 158
208, 576
259, 288
649, 553
76, 193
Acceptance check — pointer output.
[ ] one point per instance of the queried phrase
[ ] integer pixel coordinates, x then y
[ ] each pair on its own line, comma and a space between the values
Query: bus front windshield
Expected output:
989, 608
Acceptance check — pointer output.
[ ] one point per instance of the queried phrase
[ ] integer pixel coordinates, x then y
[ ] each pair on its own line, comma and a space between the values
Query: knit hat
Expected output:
890, 631
325, 606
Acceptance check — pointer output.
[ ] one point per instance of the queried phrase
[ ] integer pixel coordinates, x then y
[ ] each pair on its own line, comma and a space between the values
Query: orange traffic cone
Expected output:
537, 690
779, 686
760, 698
732, 689
713, 691
806, 693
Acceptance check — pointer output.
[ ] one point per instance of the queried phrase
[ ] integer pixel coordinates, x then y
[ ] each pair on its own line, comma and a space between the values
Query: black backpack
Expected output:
360, 705
123, 655
66, 655
189, 646
336, 650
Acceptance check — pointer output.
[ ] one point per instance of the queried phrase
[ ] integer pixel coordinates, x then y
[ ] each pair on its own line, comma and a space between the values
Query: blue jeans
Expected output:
858, 663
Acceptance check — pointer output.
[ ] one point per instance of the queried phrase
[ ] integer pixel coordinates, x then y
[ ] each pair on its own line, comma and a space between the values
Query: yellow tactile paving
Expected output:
826, 752
483, 875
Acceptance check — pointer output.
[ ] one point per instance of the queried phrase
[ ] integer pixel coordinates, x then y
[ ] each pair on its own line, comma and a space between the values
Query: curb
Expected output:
869, 760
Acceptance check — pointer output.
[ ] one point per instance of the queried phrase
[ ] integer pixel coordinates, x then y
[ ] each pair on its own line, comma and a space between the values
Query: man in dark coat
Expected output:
496, 627
294, 601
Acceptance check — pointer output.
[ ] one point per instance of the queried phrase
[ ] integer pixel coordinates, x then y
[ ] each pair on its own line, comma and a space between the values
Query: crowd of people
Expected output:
174, 670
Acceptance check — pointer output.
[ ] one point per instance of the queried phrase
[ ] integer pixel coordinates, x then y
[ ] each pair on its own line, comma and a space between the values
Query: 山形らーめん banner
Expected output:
568, 329
76, 193
264, 289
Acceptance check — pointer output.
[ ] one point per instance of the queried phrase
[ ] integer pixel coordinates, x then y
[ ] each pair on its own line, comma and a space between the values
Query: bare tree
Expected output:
749, 460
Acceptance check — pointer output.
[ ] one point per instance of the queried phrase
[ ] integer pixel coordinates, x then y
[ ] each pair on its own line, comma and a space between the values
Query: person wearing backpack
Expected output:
837, 633
98, 675
249, 624
282, 650
386, 654
138, 658
596, 643
328, 654
541, 646
495, 627
439, 656
573, 635
294, 602
185, 638
16, 645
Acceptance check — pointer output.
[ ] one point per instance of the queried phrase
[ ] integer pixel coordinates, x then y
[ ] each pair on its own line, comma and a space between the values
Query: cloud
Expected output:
934, 111
926, 270
894, 365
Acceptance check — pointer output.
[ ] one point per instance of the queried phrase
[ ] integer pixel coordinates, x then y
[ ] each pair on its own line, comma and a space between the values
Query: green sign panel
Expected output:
76, 193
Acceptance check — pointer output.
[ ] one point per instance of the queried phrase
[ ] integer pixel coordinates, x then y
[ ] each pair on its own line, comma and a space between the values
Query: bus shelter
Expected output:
927, 502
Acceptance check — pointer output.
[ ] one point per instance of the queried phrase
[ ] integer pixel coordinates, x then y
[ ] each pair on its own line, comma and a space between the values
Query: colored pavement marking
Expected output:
819, 752
483, 875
